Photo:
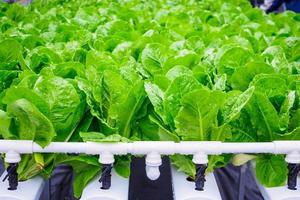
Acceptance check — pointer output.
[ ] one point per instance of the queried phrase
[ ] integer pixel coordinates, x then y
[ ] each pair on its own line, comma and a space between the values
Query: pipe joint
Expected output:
12, 157
106, 158
293, 157
200, 158
286, 147
153, 161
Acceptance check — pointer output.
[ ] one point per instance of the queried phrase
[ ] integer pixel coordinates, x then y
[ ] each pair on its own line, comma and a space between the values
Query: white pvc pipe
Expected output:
284, 147
20, 146
61, 147
153, 150
192, 147
145, 147
248, 147
116, 148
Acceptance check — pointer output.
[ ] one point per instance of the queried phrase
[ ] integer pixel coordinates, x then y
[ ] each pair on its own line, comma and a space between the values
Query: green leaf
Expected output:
11, 55
271, 170
163, 133
177, 71
221, 133
242, 77
199, 110
264, 117
153, 57
29, 168
82, 178
295, 119
229, 58
276, 57
31, 123
85, 169
41, 57
242, 129
284, 113
6, 78
156, 97
14, 93
234, 104
99, 137
65, 104
272, 85
220, 82
293, 135
125, 101
5, 123
69, 70
217, 161
178, 88
122, 166
93, 97
184, 164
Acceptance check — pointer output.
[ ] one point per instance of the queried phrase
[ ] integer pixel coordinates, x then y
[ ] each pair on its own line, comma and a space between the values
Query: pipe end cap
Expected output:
153, 173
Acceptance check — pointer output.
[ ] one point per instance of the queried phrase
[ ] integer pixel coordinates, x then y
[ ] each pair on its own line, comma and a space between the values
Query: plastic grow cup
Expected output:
27, 190
117, 191
185, 190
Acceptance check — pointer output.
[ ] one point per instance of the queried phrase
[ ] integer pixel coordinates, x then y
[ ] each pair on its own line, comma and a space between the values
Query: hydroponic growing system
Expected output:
153, 152
91, 83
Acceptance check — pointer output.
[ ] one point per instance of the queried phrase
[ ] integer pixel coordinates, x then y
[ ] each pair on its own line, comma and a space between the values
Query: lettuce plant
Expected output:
161, 70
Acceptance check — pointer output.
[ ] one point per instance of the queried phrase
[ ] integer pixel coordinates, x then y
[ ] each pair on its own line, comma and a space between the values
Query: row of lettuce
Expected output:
110, 71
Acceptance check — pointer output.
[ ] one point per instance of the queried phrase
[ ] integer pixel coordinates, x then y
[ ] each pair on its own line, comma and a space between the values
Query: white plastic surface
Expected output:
153, 161
281, 193
194, 147
12, 157
200, 158
152, 173
185, 190
145, 147
27, 190
293, 157
106, 158
19, 146
118, 190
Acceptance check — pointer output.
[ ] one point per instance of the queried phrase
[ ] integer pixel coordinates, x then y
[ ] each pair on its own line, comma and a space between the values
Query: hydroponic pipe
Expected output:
146, 147
153, 149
